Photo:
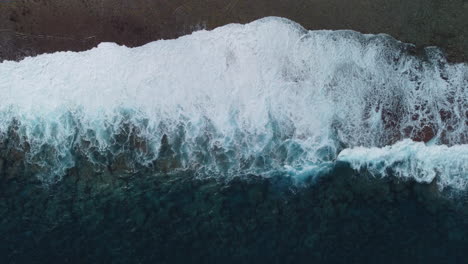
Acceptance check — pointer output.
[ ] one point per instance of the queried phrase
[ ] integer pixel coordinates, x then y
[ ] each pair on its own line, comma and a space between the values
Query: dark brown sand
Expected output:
31, 27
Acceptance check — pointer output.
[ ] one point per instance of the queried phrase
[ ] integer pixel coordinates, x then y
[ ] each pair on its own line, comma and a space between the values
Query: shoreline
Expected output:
30, 28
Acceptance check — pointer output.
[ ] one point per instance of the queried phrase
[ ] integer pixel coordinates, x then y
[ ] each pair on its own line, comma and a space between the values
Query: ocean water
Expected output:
265, 140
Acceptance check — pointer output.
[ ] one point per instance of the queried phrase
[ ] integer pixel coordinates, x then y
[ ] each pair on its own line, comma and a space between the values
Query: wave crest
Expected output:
257, 98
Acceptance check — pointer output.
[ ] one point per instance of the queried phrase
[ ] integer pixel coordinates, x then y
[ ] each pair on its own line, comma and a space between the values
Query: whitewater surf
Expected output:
264, 98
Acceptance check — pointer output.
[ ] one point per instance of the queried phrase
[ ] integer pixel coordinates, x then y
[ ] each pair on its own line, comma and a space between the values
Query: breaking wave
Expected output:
263, 98
409, 159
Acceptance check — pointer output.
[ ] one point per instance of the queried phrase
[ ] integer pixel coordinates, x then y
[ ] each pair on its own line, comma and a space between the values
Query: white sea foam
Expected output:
448, 166
251, 98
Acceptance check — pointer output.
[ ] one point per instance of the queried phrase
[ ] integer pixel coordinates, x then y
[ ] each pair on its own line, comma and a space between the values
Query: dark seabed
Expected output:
344, 217
113, 216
